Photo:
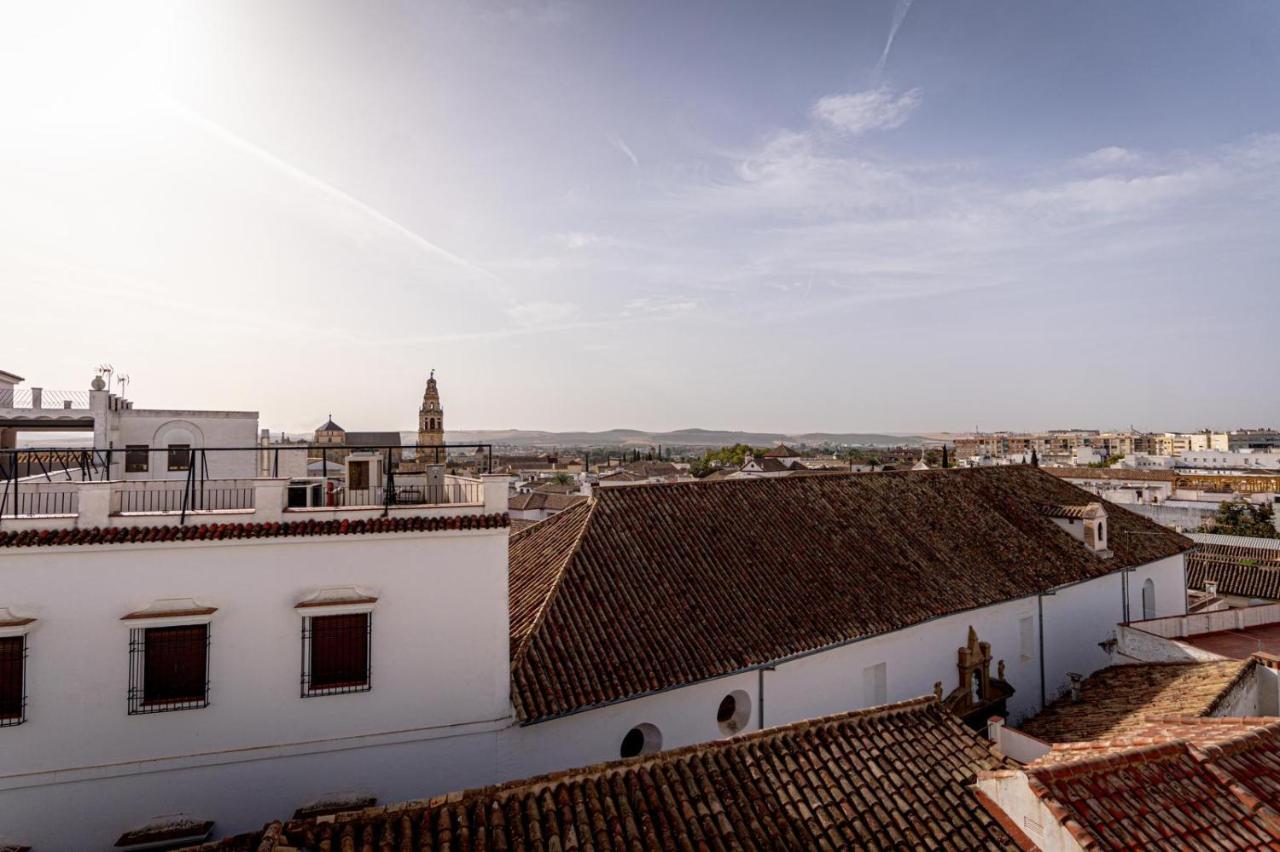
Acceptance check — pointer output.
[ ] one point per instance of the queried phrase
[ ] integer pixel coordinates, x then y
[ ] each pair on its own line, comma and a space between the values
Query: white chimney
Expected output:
1075, 679
1211, 587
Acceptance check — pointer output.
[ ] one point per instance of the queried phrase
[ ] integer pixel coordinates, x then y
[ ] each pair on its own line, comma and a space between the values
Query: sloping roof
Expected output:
782, 451
330, 426
543, 500
218, 532
1249, 570
1199, 731
1079, 512
889, 777
1171, 795
668, 584
1119, 699
372, 439
1127, 473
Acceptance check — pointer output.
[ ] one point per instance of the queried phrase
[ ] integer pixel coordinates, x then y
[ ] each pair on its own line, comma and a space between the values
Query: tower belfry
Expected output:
431, 416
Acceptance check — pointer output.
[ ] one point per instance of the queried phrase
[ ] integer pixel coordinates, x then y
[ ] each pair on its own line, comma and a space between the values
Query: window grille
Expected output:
137, 458
13, 681
335, 654
168, 668
179, 457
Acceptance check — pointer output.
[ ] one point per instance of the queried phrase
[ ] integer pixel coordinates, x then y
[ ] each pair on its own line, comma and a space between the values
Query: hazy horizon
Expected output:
878, 217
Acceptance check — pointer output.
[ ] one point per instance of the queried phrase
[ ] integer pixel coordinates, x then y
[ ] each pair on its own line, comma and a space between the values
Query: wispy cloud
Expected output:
542, 313
325, 188
1109, 157
577, 239
619, 143
860, 112
900, 9
668, 306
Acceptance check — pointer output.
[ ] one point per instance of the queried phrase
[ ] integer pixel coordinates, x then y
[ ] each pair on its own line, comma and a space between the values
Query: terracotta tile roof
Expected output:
1171, 795
890, 777
535, 500
1200, 731
1078, 512
666, 584
1119, 699
1246, 571
217, 532
1127, 473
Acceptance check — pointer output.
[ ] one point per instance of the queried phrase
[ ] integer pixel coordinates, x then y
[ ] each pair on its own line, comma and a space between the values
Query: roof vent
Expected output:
1211, 587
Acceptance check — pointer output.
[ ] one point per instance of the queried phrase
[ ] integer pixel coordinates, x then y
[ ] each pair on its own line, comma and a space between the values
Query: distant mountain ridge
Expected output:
679, 438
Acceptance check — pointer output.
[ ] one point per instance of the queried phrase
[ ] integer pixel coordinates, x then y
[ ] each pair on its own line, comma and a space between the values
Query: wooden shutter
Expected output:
339, 651
175, 667
11, 686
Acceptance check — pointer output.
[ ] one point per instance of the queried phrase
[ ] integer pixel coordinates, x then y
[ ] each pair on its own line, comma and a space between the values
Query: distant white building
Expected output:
133, 443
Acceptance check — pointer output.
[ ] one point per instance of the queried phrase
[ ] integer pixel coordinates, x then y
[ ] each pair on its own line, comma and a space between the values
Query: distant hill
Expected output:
679, 438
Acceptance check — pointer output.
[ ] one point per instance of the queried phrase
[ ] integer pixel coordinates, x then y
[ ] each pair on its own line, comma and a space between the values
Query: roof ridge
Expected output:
588, 508
607, 769
1111, 760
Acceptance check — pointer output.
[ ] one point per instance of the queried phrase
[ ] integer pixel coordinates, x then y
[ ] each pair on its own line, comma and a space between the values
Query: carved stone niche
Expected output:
977, 693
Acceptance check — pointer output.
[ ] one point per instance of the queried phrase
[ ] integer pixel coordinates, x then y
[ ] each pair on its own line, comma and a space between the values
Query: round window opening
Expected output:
734, 712
642, 739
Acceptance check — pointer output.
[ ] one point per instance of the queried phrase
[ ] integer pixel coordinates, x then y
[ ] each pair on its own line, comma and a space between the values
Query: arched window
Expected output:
642, 739
1149, 599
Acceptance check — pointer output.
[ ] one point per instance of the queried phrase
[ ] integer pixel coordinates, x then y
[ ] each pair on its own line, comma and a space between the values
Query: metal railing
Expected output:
207, 498
186, 479
40, 399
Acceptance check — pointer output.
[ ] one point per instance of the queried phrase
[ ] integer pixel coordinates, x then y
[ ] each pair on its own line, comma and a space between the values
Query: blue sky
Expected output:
589, 215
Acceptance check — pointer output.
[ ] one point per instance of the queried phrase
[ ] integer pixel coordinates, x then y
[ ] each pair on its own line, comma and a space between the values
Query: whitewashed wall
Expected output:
440, 668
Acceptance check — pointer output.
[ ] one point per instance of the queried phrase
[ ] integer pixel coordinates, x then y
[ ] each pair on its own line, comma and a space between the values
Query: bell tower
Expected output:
431, 416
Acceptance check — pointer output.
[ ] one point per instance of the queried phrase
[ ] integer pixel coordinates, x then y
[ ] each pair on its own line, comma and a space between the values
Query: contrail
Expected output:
622, 146
899, 15
239, 142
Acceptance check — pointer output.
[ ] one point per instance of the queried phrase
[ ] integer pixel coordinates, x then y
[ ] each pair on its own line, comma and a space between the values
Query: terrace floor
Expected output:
1238, 644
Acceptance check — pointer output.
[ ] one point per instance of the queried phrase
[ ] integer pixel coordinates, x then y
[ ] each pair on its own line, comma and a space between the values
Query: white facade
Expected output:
439, 670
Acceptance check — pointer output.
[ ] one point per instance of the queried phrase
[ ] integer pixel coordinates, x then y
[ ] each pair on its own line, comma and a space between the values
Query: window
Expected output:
358, 475
168, 668
137, 458
335, 653
874, 685
642, 739
734, 712
13, 692
1026, 639
1148, 599
179, 457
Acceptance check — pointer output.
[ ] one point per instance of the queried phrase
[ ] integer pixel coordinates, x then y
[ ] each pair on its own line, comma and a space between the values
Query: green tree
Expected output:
1239, 517
562, 478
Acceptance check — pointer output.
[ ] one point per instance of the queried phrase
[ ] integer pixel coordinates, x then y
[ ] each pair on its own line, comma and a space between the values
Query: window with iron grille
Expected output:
13, 681
168, 668
179, 457
335, 653
137, 458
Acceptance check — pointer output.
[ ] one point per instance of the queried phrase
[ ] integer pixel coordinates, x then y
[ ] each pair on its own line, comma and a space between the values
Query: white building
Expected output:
133, 443
393, 652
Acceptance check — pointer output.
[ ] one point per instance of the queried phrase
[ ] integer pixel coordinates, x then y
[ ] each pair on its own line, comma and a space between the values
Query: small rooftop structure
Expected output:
1117, 700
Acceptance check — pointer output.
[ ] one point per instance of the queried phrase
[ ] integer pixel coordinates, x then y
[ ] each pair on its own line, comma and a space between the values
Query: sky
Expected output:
811, 216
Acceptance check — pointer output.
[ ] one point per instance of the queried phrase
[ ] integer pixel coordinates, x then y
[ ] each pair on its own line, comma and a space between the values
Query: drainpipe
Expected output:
760, 693
1040, 607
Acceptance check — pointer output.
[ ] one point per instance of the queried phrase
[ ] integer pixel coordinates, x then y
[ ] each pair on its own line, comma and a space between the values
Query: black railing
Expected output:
168, 668
207, 498
42, 400
195, 477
